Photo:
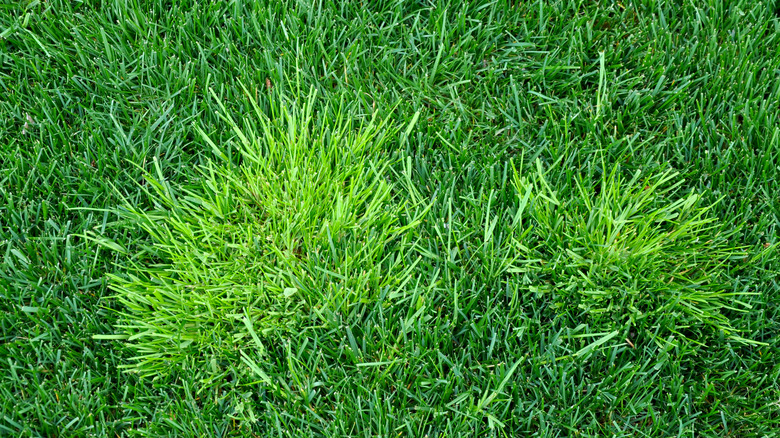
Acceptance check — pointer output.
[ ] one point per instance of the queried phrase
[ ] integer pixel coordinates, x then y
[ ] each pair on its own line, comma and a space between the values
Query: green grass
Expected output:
400, 218
306, 220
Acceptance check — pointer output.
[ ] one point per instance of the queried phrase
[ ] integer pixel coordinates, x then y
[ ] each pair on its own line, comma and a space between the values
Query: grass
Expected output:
561, 221
240, 252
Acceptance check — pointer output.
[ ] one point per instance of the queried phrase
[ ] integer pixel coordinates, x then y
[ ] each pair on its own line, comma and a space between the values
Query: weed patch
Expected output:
305, 224
633, 255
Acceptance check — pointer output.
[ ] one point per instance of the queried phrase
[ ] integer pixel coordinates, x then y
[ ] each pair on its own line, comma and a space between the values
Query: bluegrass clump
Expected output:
300, 222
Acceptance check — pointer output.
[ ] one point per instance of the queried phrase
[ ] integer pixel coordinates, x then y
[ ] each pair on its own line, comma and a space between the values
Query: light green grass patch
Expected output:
634, 254
305, 223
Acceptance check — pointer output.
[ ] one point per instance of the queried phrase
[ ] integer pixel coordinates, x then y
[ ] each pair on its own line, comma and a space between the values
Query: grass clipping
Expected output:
306, 224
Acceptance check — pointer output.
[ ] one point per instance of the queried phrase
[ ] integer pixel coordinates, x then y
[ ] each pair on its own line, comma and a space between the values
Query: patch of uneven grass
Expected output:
96, 96
629, 258
306, 223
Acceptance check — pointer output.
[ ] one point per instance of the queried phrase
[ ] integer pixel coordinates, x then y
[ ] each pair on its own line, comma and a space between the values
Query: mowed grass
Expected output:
570, 209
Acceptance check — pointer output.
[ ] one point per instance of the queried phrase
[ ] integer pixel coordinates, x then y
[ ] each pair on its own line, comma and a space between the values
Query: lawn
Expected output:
389, 218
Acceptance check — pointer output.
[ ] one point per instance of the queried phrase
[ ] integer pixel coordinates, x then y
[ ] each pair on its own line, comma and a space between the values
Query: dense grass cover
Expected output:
389, 219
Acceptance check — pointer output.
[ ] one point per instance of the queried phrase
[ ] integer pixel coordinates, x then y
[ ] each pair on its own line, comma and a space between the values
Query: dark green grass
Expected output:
112, 87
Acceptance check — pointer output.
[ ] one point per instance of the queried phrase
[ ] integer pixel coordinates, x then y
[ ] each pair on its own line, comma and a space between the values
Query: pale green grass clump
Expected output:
634, 255
302, 226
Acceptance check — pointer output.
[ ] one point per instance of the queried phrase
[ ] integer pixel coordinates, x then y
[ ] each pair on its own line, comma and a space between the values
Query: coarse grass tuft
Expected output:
302, 223
633, 254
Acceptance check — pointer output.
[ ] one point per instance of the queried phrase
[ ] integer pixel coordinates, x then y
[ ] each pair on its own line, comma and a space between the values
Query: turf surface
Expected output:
493, 334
